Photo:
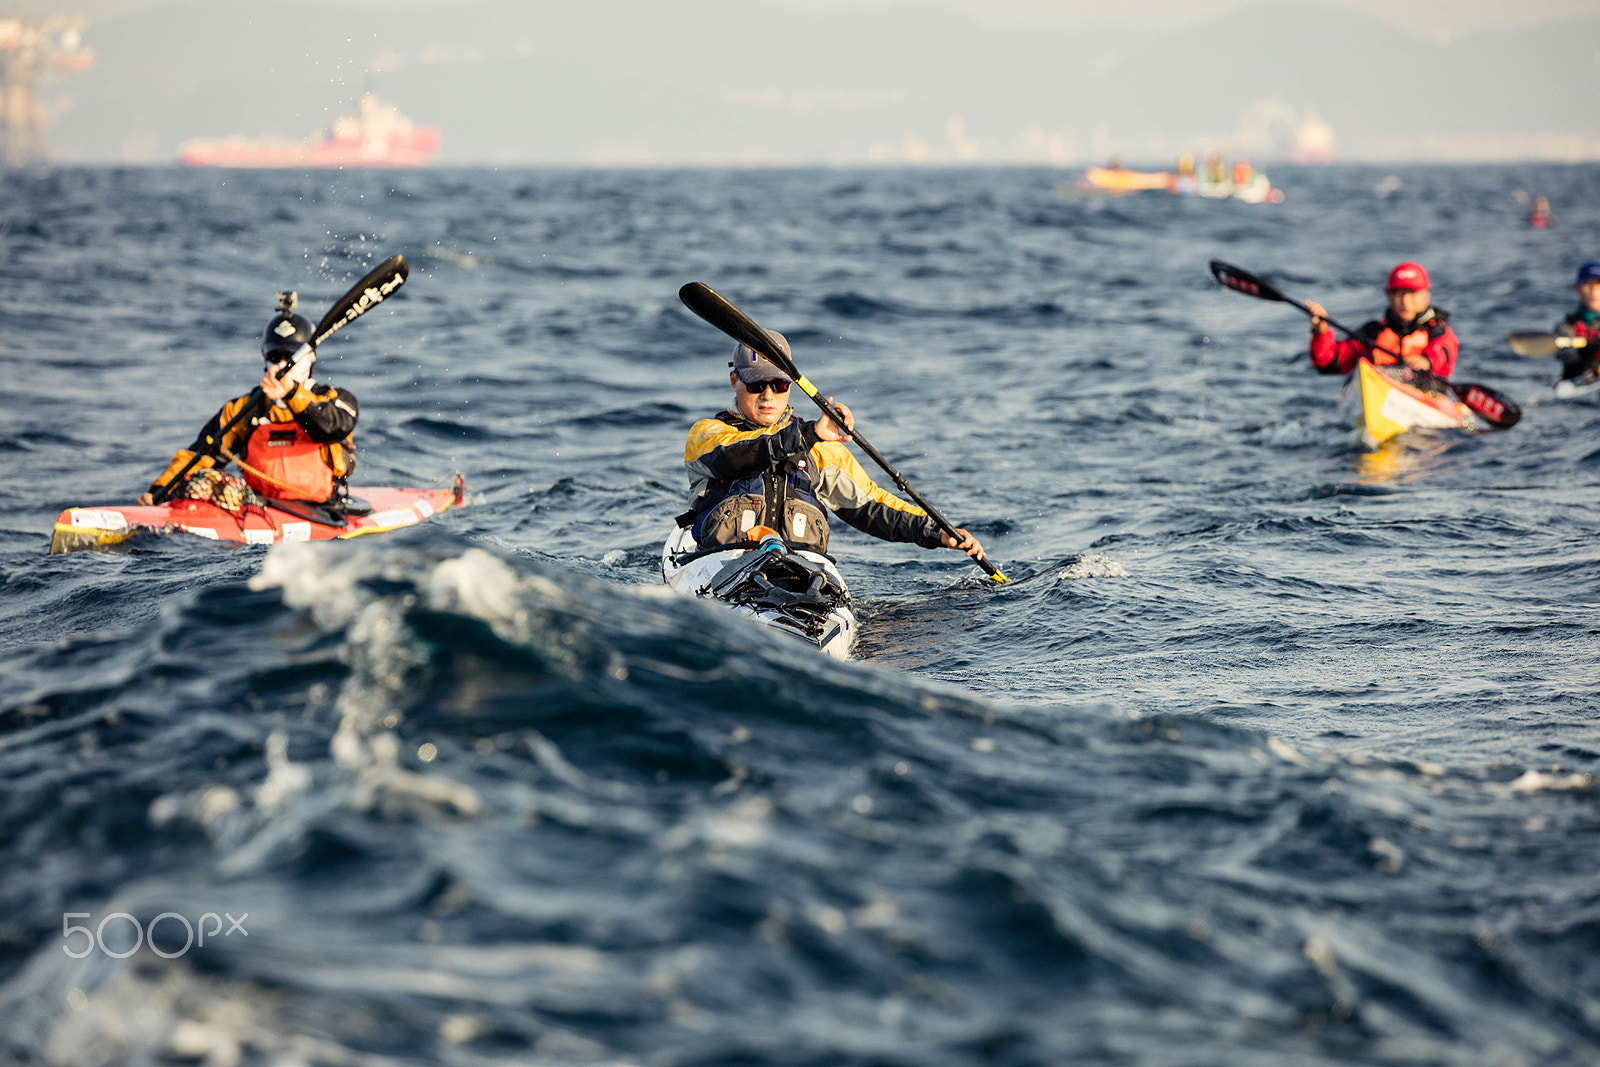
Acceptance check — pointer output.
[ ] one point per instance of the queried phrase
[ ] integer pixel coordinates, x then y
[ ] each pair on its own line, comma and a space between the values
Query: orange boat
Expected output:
377, 135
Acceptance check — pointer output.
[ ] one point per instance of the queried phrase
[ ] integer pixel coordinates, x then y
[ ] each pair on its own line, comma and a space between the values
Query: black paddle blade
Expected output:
1491, 405
1242, 281
365, 295
1542, 344
712, 306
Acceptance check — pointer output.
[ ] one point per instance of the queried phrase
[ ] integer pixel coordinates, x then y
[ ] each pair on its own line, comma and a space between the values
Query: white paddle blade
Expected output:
1541, 344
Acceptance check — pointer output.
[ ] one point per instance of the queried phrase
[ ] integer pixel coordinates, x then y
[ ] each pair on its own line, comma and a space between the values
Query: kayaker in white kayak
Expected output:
758, 464
300, 446
1584, 323
1412, 326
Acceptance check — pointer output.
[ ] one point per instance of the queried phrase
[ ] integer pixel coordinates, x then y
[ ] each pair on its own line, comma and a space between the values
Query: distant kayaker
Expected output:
758, 464
1540, 218
1412, 327
1183, 182
1584, 323
299, 447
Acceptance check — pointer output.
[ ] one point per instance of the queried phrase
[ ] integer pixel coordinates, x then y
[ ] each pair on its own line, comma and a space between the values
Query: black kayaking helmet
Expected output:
287, 331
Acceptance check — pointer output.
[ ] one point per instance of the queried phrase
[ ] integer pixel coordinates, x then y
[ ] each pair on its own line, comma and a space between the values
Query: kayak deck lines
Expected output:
790, 590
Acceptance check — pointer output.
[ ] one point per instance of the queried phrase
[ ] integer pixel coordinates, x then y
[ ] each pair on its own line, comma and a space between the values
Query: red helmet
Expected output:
1408, 275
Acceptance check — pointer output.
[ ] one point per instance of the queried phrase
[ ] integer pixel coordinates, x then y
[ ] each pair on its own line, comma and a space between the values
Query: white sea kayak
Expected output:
1571, 388
794, 591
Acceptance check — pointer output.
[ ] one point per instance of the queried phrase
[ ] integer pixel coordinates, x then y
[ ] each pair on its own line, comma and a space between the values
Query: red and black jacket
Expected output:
1429, 334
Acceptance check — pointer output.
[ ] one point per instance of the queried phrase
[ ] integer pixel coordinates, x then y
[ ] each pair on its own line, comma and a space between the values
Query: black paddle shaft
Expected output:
212, 446
716, 309
1242, 281
1497, 408
361, 298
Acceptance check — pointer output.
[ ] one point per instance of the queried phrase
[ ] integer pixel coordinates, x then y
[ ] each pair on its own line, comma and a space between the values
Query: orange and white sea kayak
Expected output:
111, 525
1384, 406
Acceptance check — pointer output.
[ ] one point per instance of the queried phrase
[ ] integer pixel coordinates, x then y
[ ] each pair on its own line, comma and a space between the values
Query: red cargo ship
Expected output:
377, 135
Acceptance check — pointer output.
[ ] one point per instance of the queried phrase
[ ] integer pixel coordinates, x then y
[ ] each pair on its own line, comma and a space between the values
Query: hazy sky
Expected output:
844, 82
1438, 19
1429, 18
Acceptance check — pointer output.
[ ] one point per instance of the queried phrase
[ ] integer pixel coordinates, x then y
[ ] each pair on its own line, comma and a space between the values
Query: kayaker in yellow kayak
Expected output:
299, 447
1412, 326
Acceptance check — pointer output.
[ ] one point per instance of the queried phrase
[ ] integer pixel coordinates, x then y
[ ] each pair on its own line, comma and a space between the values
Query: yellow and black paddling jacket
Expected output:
298, 449
782, 476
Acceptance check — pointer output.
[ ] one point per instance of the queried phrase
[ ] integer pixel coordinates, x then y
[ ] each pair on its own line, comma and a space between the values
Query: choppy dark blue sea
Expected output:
1278, 750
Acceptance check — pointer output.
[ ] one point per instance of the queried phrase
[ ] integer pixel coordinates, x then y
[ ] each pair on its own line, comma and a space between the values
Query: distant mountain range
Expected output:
742, 81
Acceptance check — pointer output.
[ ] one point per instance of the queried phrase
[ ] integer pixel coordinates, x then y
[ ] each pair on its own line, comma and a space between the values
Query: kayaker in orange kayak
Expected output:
1412, 327
299, 447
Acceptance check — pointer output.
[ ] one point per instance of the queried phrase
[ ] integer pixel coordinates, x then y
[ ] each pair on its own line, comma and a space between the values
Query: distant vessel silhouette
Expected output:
377, 135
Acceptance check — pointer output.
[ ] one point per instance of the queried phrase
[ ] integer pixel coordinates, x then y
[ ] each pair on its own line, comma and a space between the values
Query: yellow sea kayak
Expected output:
1126, 181
1389, 406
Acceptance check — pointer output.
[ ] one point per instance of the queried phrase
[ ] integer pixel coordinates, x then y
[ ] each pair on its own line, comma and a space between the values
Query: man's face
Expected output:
1589, 293
760, 403
1409, 303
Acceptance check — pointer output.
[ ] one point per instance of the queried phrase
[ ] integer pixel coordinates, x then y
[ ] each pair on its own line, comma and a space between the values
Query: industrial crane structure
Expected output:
33, 47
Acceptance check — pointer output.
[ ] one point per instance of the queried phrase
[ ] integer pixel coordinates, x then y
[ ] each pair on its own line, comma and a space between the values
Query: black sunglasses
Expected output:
777, 385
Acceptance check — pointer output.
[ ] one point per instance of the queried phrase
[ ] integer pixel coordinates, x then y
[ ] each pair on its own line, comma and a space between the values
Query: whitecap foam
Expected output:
1091, 566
